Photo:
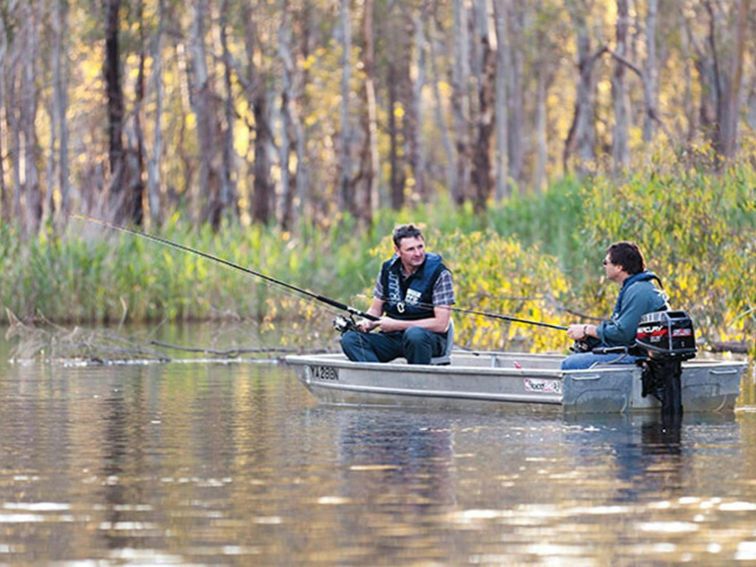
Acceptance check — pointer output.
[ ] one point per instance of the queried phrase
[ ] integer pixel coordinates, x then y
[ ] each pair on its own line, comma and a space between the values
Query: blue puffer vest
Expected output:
412, 297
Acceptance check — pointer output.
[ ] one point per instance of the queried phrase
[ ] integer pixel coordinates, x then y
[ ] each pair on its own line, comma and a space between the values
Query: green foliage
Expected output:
697, 231
550, 219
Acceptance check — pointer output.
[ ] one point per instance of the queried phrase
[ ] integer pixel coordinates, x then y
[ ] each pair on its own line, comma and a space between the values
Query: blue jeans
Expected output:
583, 360
417, 345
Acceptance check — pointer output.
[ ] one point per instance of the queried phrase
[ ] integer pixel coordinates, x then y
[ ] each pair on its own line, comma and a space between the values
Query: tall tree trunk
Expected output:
651, 72
460, 99
620, 148
153, 165
346, 187
729, 77
515, 90
539, 171
415, 115
114, 93
370, 166
294, 196
60, 102
228, 196
29, 97
438, 107
135, 173
5, 202
501, 160
581, 139
49, 206
287, 96
394, 130
482, 180
207, 140
690, 118
186, 154
307, 24
13, 114
399, 99
264, 196
705, 65
263, 191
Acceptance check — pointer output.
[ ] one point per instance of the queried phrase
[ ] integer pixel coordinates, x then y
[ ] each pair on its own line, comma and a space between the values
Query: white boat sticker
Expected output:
543, 386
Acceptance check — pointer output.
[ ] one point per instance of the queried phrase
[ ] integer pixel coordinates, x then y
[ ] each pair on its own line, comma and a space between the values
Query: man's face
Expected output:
612, 271
411, 251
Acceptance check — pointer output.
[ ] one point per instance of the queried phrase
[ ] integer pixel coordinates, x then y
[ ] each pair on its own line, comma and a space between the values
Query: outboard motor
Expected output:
665, 339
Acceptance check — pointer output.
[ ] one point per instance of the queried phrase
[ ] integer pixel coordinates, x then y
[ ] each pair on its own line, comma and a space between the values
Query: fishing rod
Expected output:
494, 316
307, 293
177, 246
507, 318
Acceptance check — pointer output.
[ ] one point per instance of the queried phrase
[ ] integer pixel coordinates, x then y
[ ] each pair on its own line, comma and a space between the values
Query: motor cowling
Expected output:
666, 334
665, 339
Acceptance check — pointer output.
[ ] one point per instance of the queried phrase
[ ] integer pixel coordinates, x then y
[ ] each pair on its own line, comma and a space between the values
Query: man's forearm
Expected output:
432, 324
439, 323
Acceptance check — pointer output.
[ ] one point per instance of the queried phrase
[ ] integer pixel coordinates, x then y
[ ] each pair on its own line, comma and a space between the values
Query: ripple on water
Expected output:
738, 507
667, 527
37, 506
746, 551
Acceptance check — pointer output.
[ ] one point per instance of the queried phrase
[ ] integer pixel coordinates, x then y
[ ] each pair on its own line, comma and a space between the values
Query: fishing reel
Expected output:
586, 344
344, 324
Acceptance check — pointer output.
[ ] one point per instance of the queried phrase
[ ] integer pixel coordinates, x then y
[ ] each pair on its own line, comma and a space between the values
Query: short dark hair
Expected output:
406, 231
628, 256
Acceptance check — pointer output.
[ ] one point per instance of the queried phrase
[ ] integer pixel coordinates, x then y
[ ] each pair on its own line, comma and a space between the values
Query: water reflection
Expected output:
403, 450
238, 464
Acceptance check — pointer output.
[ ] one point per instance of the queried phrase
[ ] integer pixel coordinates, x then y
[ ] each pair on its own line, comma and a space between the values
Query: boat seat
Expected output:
445, 358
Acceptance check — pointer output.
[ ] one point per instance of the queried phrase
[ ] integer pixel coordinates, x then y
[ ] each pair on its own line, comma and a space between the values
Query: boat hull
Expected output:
506, 379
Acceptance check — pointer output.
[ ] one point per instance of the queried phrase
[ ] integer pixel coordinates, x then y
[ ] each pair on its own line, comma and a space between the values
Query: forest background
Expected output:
291, 137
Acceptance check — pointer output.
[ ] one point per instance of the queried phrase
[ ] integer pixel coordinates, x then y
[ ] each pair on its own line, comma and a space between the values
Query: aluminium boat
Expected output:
505, 379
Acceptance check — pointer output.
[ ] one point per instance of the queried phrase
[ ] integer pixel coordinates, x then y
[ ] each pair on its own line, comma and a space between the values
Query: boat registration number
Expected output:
324, 373
543, 386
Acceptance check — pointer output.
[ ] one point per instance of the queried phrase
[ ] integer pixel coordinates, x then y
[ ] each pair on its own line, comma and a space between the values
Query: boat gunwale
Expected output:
384, 367
338, 360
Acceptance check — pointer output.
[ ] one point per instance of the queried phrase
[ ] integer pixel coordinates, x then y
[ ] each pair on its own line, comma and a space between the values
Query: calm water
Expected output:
237, 464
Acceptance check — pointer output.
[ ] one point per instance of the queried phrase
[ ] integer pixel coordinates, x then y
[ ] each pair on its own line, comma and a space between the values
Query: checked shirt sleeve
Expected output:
378, 289
443, 290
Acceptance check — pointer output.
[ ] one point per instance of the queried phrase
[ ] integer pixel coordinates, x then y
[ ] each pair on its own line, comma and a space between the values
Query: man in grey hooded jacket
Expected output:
624, 265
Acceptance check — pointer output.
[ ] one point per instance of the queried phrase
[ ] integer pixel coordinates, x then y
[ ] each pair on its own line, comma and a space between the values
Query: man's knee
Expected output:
577, 361
350, 343
417, 344
349, 338
416, 335
584, 360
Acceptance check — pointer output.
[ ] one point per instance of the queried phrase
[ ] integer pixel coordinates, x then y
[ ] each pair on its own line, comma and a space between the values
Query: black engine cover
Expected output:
667, 334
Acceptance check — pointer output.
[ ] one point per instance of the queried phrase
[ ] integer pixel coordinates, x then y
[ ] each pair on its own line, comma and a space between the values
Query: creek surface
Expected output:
209, 463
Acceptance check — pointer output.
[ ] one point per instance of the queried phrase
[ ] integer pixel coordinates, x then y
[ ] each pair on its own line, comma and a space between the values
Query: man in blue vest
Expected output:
412, 299
625, 266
